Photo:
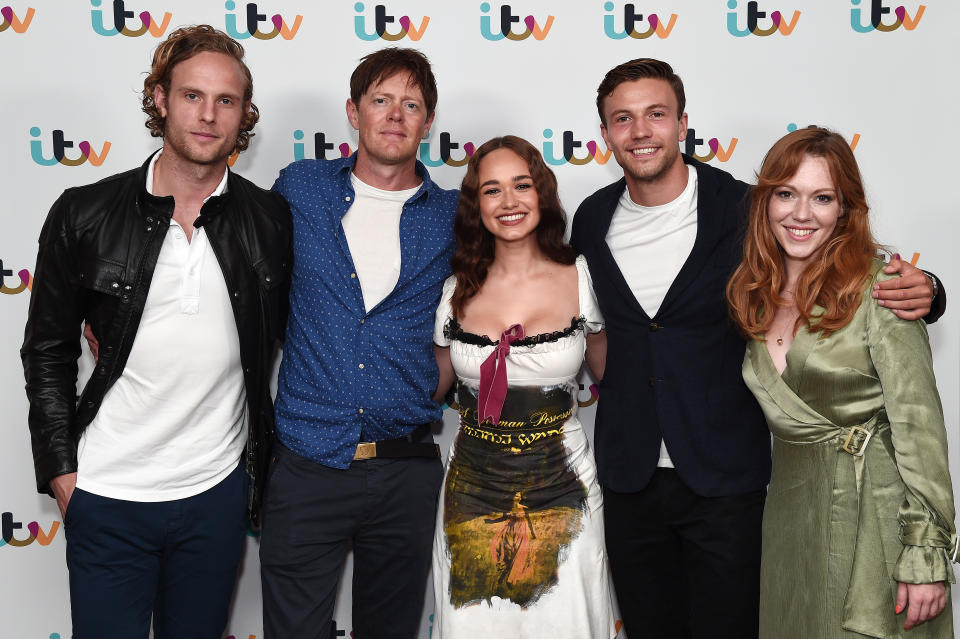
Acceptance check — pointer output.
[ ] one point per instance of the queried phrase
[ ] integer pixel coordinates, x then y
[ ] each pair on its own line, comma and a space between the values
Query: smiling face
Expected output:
509, 205
203, 109
392, 119
803, 213
643, 128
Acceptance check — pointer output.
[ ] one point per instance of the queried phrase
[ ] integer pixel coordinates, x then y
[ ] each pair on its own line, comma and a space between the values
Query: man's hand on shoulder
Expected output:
63, 486
909, 296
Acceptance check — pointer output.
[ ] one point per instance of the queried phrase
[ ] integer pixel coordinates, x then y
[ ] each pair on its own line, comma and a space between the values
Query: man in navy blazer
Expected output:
683, 451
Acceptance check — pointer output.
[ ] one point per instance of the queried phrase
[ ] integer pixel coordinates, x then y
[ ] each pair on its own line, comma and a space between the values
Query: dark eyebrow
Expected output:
517, 178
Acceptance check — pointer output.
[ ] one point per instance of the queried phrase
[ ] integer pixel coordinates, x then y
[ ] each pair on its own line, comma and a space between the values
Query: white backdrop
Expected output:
71, 78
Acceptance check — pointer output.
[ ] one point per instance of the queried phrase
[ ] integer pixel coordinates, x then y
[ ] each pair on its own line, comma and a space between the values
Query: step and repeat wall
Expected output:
879, 72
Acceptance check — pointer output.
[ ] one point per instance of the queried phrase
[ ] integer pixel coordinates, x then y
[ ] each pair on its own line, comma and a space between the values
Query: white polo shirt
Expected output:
173, 424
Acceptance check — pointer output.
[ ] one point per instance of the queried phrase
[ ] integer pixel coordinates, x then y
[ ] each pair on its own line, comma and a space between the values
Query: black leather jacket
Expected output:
98, 249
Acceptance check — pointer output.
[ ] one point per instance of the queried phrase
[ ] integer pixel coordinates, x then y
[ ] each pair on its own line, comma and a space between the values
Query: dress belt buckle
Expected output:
857, 440
366, 450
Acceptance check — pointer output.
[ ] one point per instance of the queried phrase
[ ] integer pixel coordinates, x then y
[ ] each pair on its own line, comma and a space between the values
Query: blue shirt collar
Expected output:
347, 164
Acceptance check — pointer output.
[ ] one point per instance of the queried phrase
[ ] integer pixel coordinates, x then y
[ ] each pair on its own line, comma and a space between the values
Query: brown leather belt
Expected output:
406, 446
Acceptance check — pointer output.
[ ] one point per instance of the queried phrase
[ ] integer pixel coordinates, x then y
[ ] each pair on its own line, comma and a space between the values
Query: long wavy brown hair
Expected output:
181, 45
835, 278
474, 254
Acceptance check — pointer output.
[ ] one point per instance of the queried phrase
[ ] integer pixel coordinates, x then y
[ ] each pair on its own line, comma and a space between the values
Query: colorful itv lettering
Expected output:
26, 281
691, 143
630, 20
853, 142
507, 19
320, 146
568, 146
148, 24
877, 11
777, 22
12, 21
447, 146
8, 527
60, 146
253, 20
380, 21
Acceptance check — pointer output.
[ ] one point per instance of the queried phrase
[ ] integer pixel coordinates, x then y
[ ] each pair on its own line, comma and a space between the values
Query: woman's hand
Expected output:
922, 601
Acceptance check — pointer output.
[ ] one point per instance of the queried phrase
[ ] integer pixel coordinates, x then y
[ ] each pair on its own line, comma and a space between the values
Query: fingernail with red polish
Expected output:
896, 256
899, 609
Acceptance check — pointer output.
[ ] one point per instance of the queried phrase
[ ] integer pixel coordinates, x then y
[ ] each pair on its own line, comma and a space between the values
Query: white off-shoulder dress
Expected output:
519, 548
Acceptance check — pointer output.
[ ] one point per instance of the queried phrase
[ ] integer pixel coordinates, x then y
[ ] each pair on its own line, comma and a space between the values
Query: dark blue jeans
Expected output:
175, 560
384, 508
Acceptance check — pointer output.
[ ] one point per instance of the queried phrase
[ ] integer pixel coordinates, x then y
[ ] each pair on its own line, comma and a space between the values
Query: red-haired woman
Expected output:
858, 532
519, 546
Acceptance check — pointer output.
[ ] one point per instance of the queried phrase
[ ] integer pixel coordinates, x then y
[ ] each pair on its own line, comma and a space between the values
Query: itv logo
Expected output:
568, 146
777, 22
380, 22
320, 146
12, 21
26, 281
507, 19
253, 19
148, 24
8, 528
630, 20
691, 143
877, 11
447, 146
60, 146
853, 142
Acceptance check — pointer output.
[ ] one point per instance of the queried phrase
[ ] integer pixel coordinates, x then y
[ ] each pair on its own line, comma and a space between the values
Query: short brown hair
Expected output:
380, 65
637, 70
181, 45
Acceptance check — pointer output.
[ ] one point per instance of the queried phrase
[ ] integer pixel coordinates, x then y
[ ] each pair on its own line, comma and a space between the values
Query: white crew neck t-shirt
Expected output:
650, 245
372, 228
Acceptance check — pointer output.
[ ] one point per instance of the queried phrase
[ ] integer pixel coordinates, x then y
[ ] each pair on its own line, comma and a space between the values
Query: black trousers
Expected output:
384, 508
172, 561
685, 566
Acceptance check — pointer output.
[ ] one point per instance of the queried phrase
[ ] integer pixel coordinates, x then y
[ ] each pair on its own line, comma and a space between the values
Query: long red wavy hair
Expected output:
835, 278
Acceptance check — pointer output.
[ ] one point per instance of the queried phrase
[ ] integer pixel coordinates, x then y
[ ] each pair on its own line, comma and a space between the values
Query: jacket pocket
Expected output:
101, 275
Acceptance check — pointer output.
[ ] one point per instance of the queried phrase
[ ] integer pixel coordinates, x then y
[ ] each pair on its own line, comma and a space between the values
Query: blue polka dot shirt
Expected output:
348, 375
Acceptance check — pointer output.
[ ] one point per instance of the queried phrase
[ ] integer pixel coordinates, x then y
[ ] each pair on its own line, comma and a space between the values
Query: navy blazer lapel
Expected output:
710, 223
602, 219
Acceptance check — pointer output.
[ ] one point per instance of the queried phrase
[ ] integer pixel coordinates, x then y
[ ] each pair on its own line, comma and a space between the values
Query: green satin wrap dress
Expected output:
842, 527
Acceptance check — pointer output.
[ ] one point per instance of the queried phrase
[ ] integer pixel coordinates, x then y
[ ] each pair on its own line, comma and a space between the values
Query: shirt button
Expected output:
361, 365
362, 320
654, 326
650, 381
346, 199
360, 411
353, 276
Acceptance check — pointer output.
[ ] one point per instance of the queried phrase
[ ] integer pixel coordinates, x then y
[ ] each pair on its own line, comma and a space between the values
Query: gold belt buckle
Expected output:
856, 441
366, 450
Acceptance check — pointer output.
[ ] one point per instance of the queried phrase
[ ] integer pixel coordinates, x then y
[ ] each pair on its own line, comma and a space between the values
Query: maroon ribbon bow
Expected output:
493, 376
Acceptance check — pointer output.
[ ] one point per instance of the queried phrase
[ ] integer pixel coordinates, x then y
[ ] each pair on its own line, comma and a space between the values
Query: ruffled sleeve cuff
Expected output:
924, 565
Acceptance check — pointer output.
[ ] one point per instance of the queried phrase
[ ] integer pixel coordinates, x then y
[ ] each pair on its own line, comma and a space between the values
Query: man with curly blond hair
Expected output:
180, 269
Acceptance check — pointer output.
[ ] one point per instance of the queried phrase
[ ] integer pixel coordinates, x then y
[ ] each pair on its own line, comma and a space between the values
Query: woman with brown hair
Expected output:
519, 546
858, 532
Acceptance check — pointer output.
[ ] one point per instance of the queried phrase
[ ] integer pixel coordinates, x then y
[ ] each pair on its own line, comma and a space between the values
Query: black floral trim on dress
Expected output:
454, 332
